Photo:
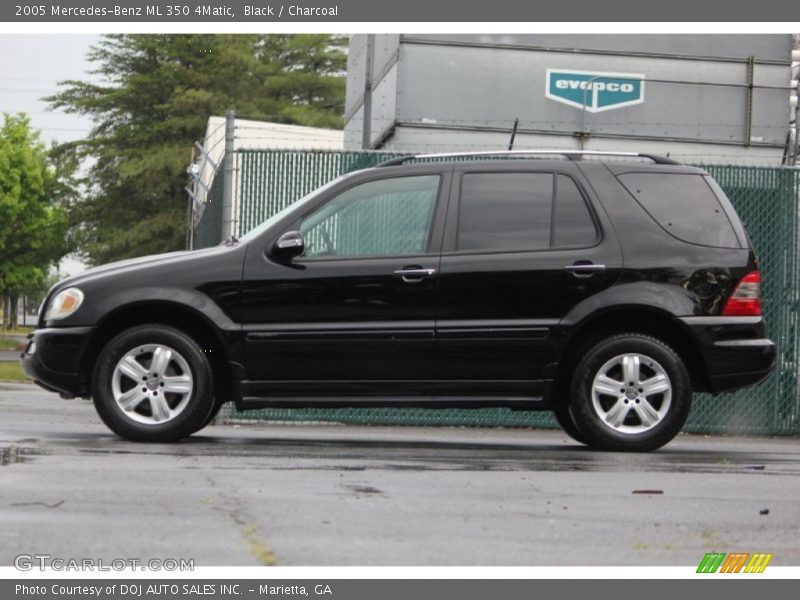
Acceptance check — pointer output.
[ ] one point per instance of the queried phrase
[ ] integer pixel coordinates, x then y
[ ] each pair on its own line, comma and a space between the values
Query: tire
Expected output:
160, 407
630, 392
217, 406
567, 423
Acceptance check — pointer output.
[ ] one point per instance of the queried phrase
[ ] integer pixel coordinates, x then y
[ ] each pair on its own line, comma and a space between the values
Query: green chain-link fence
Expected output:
270, 180
766, 199
209, 229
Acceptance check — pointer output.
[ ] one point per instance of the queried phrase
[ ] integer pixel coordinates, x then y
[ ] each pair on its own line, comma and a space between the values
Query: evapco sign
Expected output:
594, 91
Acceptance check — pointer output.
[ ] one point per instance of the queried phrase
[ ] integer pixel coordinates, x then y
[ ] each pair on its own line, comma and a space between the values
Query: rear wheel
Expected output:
152, 383
630, 392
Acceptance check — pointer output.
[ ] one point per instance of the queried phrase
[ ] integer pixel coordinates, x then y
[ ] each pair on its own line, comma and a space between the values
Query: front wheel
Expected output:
153, 383
630, 392
216, 407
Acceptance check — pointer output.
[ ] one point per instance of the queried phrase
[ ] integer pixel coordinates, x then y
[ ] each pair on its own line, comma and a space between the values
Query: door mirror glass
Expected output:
289, 245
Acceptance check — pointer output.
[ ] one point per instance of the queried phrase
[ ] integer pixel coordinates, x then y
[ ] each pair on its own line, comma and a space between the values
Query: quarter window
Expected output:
684, 205
388, 217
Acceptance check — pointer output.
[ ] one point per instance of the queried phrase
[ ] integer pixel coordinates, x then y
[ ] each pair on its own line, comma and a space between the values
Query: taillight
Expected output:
746, 298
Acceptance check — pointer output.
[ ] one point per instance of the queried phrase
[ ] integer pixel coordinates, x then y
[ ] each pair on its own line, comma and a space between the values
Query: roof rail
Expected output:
570, 154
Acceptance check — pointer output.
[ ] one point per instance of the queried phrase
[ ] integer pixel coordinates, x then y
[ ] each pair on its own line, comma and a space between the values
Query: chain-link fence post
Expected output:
228, 173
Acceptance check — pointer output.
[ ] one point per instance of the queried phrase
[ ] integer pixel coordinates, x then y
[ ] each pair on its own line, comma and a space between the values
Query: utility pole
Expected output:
366, 131
748, 116
796, 80
797, 121
228, 174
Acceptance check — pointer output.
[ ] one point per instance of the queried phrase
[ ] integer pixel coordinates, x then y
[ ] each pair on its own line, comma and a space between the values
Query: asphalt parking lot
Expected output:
344, 495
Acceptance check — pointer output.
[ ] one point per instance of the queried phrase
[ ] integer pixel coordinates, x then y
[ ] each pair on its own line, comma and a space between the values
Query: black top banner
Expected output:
399, 11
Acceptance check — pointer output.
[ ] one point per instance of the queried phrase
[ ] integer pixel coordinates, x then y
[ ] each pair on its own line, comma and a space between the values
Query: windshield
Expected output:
259, 229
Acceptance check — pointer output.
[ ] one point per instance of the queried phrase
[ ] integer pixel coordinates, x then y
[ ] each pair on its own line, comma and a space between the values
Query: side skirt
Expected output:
516, 395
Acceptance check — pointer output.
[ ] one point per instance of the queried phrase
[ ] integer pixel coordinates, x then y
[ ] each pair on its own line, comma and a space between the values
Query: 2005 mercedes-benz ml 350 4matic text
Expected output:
606, 289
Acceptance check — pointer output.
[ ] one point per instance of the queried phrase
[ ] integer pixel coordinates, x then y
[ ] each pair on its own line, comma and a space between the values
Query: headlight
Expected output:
64, 304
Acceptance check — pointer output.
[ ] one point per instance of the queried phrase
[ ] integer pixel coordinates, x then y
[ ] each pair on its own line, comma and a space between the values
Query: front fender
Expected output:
107, 307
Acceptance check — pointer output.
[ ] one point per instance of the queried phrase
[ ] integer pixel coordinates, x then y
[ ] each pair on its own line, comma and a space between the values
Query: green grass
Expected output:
18, 331
11, 371
6, 344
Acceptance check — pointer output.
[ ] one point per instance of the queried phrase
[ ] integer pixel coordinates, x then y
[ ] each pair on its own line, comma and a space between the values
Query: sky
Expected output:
31, 68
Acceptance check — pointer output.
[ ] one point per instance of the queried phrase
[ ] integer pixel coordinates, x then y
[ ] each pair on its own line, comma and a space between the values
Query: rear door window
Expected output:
572, 222
507, 212
684, 205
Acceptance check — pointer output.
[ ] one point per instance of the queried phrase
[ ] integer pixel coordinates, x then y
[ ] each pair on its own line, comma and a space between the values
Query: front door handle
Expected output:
414, 273
584, 268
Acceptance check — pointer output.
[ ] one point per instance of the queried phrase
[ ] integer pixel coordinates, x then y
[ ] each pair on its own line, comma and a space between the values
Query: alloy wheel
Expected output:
152, 384
631, 393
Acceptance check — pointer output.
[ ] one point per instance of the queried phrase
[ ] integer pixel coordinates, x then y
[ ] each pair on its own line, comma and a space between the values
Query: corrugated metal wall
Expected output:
710, 98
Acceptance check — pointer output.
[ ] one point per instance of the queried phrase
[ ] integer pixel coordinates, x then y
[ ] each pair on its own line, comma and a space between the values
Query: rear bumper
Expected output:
53, 356
736, 349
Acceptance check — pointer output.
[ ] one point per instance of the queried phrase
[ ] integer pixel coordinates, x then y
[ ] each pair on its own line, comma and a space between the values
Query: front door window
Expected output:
389, 217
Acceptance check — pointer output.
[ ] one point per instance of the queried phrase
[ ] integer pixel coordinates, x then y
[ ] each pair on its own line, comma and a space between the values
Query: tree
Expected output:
32, 223
154, 101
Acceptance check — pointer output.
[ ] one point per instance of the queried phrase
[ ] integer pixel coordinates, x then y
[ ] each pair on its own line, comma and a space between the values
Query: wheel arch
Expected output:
647, 320
178, 316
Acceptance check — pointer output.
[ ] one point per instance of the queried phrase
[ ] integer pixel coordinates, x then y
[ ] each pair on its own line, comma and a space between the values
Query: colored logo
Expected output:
735, 562
593, 91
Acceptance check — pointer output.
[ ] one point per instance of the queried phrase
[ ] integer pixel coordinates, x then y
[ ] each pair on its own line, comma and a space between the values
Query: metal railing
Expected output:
499, 154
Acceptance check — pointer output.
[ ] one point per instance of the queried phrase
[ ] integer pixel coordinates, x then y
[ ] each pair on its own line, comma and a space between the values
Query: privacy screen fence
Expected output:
766, 199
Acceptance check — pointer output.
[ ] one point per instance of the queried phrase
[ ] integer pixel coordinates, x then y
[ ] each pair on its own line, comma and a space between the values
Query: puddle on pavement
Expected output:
12, 455
18, 452
353, 454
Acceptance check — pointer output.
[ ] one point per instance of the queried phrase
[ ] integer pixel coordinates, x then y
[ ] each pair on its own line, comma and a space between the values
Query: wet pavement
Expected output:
336, 495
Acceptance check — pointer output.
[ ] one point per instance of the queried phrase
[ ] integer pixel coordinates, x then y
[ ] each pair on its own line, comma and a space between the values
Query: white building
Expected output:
256, 135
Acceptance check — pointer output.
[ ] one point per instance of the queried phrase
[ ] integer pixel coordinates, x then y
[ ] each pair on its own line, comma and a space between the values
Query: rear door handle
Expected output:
414, 273
584, 268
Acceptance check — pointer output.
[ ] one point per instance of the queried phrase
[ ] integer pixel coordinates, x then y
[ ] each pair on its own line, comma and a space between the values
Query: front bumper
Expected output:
53, 359
736, 350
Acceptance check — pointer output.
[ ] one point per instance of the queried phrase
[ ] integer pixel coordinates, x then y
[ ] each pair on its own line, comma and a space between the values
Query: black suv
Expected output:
606, 291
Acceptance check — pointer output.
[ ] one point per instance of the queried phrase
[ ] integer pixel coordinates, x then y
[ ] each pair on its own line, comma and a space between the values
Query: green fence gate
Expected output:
766, 199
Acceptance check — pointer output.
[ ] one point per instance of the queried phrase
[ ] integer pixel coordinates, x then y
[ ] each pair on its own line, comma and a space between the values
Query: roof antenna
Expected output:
513, 134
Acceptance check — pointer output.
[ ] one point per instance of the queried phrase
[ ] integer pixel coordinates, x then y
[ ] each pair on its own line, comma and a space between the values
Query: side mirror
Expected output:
289, 245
